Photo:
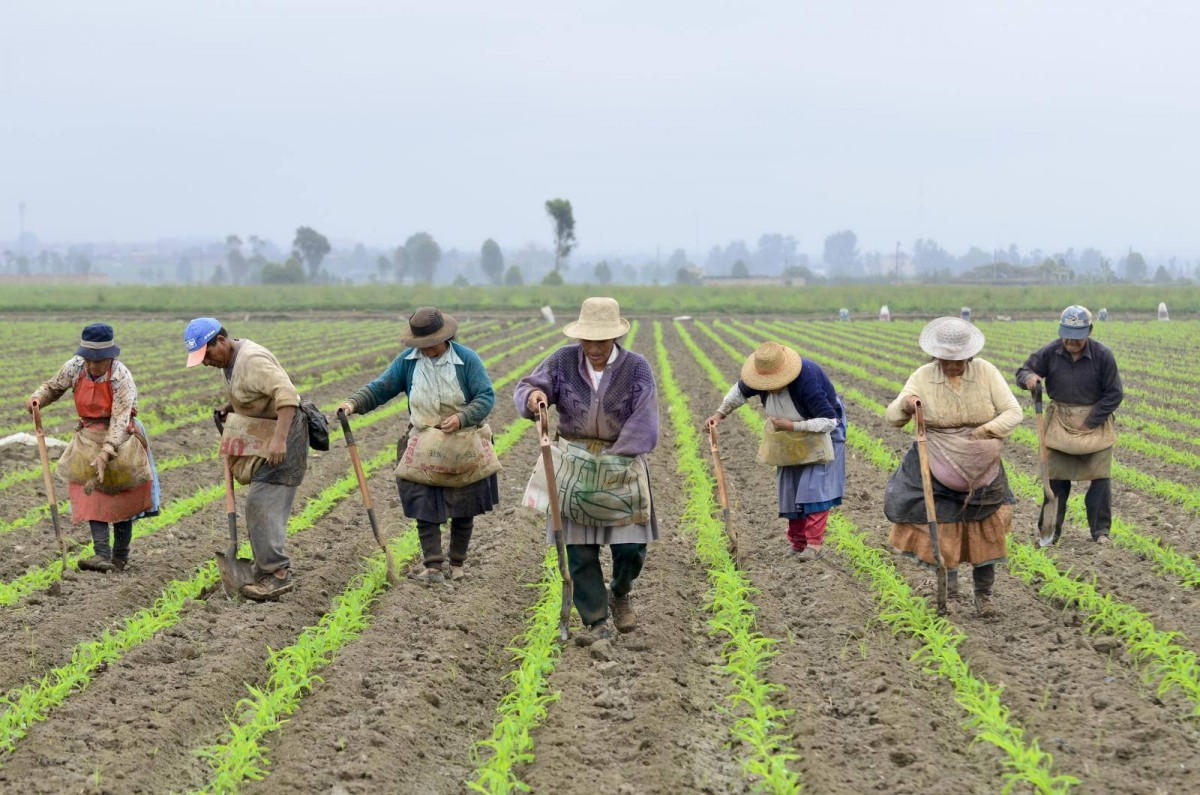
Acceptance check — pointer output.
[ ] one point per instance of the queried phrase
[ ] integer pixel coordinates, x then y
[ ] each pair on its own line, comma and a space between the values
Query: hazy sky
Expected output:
1047, 124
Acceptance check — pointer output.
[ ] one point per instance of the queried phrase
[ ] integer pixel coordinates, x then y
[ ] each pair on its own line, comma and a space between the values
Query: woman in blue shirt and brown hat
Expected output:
106, 401
449, 397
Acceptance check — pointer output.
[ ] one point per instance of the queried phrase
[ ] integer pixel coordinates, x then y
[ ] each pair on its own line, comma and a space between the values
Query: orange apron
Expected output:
93, 403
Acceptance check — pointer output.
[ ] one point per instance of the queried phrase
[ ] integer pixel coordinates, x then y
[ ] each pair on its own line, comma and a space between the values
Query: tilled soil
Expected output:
1078, 693
402, 705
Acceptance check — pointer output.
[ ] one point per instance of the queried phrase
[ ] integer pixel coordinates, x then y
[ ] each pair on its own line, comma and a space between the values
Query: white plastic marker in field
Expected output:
844, 314
884, 314
548, 314
1162, 311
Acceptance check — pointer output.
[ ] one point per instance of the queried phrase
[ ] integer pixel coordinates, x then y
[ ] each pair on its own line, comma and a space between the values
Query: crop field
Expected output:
756, 675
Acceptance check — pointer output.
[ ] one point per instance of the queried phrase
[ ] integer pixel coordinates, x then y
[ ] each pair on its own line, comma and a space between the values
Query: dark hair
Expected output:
221, 332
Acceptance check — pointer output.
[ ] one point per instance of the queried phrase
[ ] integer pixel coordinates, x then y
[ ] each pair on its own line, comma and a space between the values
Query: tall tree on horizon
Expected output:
564, 229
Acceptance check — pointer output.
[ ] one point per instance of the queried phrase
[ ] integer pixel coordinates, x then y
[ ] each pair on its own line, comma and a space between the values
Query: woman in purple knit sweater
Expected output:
607, 403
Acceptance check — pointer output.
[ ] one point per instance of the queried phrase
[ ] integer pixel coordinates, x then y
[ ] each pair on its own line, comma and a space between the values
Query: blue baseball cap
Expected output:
1075, 323
197, 336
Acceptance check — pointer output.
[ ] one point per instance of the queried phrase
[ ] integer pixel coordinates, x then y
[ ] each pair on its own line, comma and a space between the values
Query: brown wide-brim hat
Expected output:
772, 366
951, 338
599, 319
427, 327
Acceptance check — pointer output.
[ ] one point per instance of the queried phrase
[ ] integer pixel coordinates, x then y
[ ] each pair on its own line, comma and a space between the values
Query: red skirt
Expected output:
101, 507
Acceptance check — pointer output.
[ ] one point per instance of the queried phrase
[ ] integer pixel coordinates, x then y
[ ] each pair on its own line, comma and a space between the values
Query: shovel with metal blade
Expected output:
722, 495
930, 507
560, 546
49, 482
235, 571
1049, 515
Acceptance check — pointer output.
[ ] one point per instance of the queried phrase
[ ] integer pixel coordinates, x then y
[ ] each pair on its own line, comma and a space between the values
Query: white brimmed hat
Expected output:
599, 319
772, 366
951, 338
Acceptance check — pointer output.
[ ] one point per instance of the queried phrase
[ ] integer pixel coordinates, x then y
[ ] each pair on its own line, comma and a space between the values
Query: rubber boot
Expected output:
985, 577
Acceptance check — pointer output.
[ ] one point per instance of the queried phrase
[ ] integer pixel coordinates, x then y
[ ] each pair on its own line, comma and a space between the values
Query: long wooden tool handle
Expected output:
552, 490
44, 454
230, 503
352, 447
718, 467
927, 483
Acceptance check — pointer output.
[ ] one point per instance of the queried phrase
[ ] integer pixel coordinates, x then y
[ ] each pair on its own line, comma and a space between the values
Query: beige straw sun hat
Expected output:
599, 319
772, 366
951, 338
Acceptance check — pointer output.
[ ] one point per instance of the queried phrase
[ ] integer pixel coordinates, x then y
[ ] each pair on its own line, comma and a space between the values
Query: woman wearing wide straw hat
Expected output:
607, 410
797, 396
969, 411
106, 402
449, 394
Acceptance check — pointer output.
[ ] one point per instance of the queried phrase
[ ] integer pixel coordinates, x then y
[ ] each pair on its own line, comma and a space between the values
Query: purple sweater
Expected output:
624, 411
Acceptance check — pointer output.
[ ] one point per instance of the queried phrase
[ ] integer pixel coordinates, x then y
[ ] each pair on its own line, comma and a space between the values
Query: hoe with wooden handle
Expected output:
722, 495
49, 481
560, 546
1050, 500
366, 494
930, 508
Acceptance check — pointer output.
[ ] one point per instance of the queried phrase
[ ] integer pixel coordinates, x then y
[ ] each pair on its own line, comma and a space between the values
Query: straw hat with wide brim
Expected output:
427, 327
772, 366
599, 319
951, 338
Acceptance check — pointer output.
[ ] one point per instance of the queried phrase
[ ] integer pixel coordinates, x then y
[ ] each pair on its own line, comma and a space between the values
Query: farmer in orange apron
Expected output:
106, 401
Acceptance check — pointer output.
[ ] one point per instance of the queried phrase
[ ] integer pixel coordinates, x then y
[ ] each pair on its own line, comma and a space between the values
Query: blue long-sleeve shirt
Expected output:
397, 379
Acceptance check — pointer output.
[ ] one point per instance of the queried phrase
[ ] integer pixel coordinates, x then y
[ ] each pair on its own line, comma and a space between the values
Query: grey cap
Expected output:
1075, 323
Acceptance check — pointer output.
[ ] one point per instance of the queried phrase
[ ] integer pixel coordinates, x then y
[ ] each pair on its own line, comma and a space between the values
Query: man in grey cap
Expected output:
1081, 377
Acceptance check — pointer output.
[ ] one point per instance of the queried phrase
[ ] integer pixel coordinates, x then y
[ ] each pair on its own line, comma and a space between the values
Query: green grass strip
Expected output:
524, 706
746, 651
986, 714
240, 756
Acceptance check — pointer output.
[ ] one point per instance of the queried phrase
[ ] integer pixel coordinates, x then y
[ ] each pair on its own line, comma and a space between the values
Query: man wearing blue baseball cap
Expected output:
1081, 377
263, 420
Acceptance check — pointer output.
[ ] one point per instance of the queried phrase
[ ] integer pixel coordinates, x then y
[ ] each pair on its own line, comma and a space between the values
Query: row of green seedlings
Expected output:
1129, 417
747, 653
293, 671
34, 701
1167, 453
523, 708
41, 577
24, 706
1165, 559
1158, 653
906, 614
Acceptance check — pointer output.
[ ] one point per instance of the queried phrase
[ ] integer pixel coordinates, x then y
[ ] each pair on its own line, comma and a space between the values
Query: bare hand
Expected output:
713, 421
1032, 380
536, 397
347, 407
910, 404
100, 462
450, 424
979, 434
781, 425
276, 451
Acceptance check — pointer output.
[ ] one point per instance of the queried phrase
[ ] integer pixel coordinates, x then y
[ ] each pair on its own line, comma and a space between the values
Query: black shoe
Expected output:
119, 565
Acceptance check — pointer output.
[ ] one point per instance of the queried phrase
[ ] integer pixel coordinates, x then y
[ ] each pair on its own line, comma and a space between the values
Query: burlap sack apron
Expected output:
594, 489
794, 448
245, 440
126, 490
1076, 454
450, 460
